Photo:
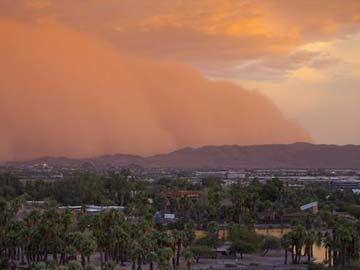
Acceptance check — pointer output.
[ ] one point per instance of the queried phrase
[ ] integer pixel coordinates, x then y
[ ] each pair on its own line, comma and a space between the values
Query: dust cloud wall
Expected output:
66, 93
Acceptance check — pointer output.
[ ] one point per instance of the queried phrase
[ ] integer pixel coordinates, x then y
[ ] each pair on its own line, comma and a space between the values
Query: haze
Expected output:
64, 93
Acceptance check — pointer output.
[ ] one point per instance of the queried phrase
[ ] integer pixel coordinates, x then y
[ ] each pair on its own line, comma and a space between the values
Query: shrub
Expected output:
73, 265
109, 265
270, 242
208, 241
50, 265
90, 267
316, 266
39, 266
202, 252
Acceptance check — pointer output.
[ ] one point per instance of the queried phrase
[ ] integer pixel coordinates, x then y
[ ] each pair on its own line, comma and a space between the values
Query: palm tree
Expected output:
149, 245
12, 239
65, 221
22, 241
33, 238
178, 237
135, 252
328, 244
309, 240
121, 238
49, 229
164, 255
345, 236
189, 258
298, 237
86, 246
100, 234
286, 242
151, 257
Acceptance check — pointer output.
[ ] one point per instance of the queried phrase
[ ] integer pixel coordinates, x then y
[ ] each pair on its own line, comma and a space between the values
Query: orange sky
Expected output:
83, 78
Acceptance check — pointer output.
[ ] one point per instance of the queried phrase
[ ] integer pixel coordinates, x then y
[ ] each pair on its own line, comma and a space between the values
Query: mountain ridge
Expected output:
295, 155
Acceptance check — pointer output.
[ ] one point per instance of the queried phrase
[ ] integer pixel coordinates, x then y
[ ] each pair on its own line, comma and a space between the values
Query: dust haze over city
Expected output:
230, 128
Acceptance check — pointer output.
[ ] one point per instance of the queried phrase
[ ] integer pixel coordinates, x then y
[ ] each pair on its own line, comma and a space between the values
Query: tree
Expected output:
86, 246
286, 242
151, 257
328, 244
309, 241
164, 255
136, 252
345, 238
73, 265
109, 265
298, 238
270, 242
178, 237
202, 252
189, 258
244, 240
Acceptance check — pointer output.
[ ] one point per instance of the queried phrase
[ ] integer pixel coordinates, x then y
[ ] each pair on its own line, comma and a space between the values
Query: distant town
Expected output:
297, 178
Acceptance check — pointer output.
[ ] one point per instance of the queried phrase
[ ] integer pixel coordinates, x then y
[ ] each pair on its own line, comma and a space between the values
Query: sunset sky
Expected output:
83, 78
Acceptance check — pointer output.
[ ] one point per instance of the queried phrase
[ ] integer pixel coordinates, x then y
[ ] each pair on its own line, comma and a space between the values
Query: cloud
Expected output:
198, 30
218, 37
63, 92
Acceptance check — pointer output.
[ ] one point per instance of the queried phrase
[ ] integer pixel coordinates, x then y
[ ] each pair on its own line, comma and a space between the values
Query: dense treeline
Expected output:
50, 239
61, 238
219, 203
53, 237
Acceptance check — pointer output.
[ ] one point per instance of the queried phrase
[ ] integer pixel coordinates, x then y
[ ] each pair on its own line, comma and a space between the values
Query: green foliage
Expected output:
160, 202
209, 241
80, 235
202, 252
71, 251
270, 242
109, 265
244, 239
51, 265
213, 229
286, 241
10, 187
271, 190
39, 266
73, 265
38, 190
188, 255
84, 188
87, 243
317, 266
89, 267
163, 256
352, 209
212, 182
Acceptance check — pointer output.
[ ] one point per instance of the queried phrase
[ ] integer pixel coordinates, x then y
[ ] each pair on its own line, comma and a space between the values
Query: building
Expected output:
184, 193
313, 207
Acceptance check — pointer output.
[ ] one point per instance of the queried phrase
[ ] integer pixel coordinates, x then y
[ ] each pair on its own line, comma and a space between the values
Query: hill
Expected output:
297, 155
